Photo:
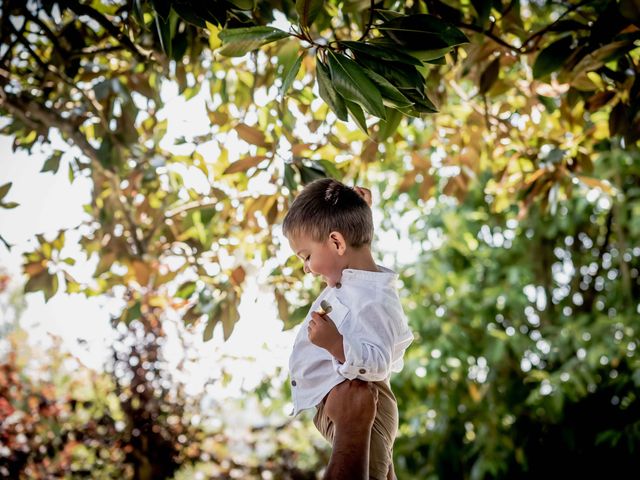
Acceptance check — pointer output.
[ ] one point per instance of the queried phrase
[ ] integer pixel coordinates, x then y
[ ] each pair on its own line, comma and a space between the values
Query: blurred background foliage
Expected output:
500, 139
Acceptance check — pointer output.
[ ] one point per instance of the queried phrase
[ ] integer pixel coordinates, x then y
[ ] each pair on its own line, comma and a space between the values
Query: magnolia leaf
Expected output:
239, 41
382, 52
357, 115
291, 75
387, 127
353, 84
391, 96
552, 57
328, 93
413, 32
307, 11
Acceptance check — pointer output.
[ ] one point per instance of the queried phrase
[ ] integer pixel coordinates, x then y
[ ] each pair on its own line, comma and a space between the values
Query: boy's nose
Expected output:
306, 268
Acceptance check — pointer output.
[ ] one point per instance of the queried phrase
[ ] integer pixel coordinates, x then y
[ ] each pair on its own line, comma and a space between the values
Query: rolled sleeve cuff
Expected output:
356, 367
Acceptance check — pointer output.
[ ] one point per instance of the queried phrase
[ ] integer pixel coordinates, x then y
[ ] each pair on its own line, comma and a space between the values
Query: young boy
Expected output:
356, 327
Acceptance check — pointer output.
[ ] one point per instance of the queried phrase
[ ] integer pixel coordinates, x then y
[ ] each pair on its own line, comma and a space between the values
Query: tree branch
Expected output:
542, 31
81, 9
366, 30
30, 112
490, 35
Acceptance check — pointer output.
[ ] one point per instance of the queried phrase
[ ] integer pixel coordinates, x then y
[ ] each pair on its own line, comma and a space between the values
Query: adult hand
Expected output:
324, 333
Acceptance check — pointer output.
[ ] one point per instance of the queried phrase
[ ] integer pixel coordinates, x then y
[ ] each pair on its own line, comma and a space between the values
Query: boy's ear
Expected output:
337, 241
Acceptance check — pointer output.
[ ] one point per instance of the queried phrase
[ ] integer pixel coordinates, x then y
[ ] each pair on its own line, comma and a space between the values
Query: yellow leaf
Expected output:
158, 301
214, 40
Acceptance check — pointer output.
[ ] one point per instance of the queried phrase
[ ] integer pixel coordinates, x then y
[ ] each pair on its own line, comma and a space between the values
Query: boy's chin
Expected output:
331, 283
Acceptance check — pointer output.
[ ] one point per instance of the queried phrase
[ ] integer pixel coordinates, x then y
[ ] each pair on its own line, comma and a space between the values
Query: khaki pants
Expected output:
383, 433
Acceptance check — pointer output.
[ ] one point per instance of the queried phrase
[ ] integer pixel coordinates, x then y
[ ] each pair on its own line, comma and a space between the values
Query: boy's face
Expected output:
321, 258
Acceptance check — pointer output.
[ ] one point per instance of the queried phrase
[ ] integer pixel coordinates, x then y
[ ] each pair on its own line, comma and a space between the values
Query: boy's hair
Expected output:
325, 206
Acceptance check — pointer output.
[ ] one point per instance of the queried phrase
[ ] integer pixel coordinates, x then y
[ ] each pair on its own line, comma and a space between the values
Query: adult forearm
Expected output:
350, 456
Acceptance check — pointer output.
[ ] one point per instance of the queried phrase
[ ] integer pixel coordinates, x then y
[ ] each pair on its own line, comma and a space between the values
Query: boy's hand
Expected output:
324, 333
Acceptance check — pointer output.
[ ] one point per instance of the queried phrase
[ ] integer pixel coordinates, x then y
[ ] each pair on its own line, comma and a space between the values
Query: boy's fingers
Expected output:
316, 316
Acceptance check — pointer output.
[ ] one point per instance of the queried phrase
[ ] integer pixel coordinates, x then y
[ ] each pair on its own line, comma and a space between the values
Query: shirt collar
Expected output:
351, 276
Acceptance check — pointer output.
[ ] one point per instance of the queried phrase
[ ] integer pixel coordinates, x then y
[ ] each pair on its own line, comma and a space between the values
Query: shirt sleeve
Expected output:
368, 346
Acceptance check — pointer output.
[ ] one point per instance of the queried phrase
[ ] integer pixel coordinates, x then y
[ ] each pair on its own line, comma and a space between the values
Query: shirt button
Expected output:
362, 370
293, 382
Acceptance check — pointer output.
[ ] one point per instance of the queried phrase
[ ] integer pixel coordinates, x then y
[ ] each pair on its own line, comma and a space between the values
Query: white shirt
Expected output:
367, 312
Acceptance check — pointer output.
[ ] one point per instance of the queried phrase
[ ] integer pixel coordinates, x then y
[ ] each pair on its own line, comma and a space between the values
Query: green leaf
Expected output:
186, 290
133, 313
421, 102
239, 41
357, 115
309, 174
166, 27
381, 52
289, 177
291, 75
244, 4
328, 93
353, 84
162, 7
329, 167
413, 32
431, 55
392, 97
308, 10
483, 8
9, 205
4, 189
53, 163
551, 58
399, 74
387, 127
